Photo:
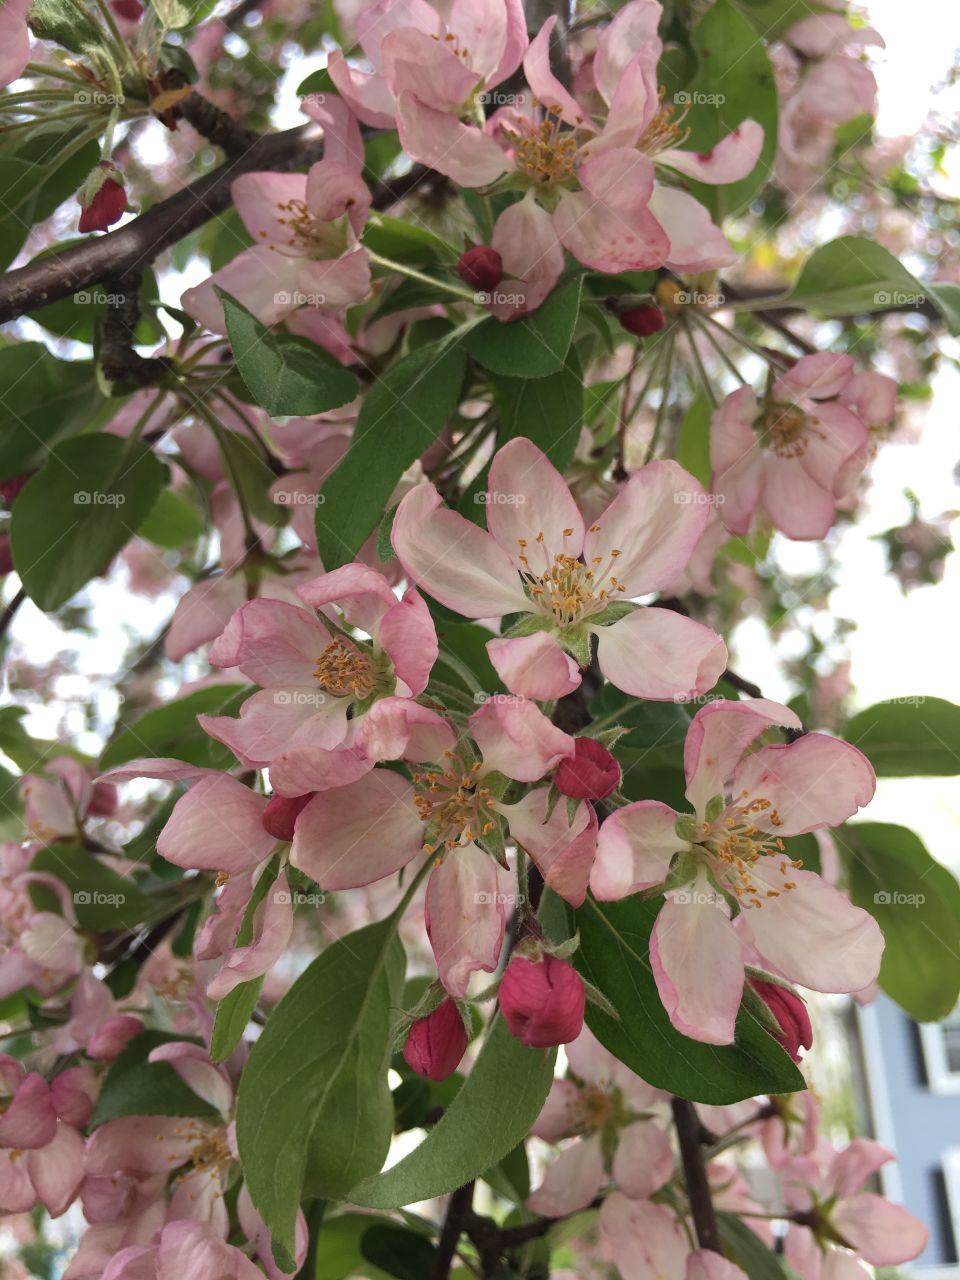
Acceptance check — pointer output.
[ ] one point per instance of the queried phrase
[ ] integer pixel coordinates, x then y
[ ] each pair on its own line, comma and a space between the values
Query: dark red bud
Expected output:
103, 201
790, 1011
9, 489
591, 773
481, 268
542, 1001
642, 321
6, 555
281, 813
131, 10
435, 1044
103, 802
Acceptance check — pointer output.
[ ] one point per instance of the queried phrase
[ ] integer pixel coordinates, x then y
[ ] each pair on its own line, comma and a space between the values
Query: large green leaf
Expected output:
78, 511
172, 730
916, 902
102, 899
42, 400
314, 1107
734, 82
493, 1110
614, 956
533, 346
286, 375
745, 1248
38, 172
548, 411
401, 415
909, 737
852, 274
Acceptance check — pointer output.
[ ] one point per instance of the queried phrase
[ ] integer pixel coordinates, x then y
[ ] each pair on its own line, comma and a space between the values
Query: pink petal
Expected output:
453, 560
558, 1118
464, 912
263, 281
661, 655
514, 35
632, 32
202, 612
439, 140
883, 1234
697, 962
409, 638
733, 157
275, 720
260, 199
414, 62
304, 769
563, 851
837, 436
704, 1264
334, 283
399, 728
534, 666
821, 376
140, 1144
14, 40
30, 1119
872, 397
517, 739
366, 94
718, 736
216, 827
817, 781
342, 141
856, 1164
654, 524
795, 503
272, 930
203, 1077
56, 1170
545, 85
608, 225
646, 1238
528, 500
696, 243
356, 835
643, 1160
362, 594
532, 257
812, 934
635, 847
571, 1180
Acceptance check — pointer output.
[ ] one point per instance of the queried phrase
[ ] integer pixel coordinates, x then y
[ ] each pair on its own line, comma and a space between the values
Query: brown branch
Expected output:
687, 1124
458, 1210
216, 126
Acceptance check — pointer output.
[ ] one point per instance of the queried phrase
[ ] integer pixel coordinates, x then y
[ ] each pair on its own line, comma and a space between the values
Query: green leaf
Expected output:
135, 1087
172, 730
38, 173
401, 415
745, 1248
771, 18
734, 82
614, 956
172, 522
945, 296
406, 242
103, 900
287, 376
909, 737
404, 1254
693, 442
78, 511
314, 1106
657, 729
42, 400
852, 275
338, 1246
64, 24
494, 1109
916, 902
533, 346
548, 411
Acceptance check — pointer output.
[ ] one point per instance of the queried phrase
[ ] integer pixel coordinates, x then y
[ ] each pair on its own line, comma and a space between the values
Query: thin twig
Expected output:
695, 1174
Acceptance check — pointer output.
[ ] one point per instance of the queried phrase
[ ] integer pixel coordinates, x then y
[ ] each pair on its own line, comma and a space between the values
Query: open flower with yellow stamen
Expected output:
732, 893
538, 559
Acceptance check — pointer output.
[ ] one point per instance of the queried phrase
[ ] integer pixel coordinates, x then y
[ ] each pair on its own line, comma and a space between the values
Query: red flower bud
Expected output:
481, 268
6, 555
102, 197
103, 802
435, 1044
130, 10
542, 1001
9, 489
591, 773
281, 813
642, 321
790, 1011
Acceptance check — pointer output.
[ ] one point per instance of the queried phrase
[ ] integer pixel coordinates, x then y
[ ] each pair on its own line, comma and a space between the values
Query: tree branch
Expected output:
695, 1174
458, 1210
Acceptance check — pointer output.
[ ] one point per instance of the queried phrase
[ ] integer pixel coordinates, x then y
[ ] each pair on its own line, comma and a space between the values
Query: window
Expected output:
941, 1053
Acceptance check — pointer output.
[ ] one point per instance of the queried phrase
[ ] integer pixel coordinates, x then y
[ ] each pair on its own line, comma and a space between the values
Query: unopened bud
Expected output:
102, 198
542, 1001
591, 773
481, 268
435, 1044
6, 555
280, 816
104, 800
129, 10
642, 321
790, 1014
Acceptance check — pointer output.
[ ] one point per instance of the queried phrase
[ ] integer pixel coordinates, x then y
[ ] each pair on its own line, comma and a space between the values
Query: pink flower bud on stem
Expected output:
435, 1044
542, 1001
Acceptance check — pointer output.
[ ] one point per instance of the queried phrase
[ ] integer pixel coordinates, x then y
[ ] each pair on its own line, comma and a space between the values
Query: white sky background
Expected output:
903, 646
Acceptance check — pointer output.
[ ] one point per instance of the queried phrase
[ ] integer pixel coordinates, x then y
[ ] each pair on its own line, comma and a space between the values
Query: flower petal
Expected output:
571, 1179
528, 501
718, 736
635, 847
817, 781
517, 739
534, 666
216, 827
563, 851
464, 912
660, 655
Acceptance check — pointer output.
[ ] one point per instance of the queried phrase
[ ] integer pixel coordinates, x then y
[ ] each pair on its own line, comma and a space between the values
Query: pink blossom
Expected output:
187, 1250
731, 852
538, 559
41, 1155
612, 1111
650, 1244
801, 450
14, 40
